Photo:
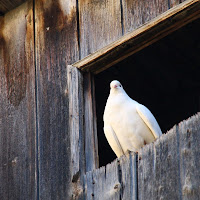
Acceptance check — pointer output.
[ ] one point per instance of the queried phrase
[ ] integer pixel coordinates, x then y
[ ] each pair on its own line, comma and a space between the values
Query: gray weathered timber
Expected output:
105, 183
76, 130
128, 167
18, 179
158, 169
139, 12
88, 185
7, 5
189, 151
56, 47
169, 168
90, 126
99, 24
115, 181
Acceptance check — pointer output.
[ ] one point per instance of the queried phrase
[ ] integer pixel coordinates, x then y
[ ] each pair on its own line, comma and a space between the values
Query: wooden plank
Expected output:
7, 5
18, 177
189, 142
89, 186
106, 182
75, 93
158, 169
91, 143
139, 12
114, 181
56, 47
169, 168
128, 169
127, 45
99, 24
173, 3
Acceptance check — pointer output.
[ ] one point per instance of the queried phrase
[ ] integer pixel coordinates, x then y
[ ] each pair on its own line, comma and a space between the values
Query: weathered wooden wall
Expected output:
56, 46
42, 107
18, 177
165, 169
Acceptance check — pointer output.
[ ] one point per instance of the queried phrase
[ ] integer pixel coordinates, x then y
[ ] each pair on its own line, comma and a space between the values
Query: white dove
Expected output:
128, 125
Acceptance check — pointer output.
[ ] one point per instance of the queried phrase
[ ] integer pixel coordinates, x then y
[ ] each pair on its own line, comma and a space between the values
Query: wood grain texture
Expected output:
139, 12
76, 130
168, 169
100, 24
88, 186
7, 5
18, 178
173, 3
128, 168
56, 47
149, 33
189, 141
105, 183
114, 181
158, 165
91, 143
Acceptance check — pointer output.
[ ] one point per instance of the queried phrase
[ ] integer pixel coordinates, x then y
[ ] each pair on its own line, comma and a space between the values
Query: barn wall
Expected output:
165, 169
41, 107
18, 179
102, 22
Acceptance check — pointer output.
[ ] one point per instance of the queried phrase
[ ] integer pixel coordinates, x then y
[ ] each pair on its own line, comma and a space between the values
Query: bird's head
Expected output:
116, 86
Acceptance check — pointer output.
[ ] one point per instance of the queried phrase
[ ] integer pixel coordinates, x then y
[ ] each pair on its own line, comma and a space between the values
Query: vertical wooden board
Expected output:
128, 165
106, 182
56, 47
158, 169
89, 186
189, 137
138, 12
99, 182
18, 178
132, 14
113, 181
75, 93
99, 24
146, 173
91, 143
173, 3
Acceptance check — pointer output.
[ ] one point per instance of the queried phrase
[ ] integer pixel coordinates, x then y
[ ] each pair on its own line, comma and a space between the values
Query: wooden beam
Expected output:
142, 37
7, 5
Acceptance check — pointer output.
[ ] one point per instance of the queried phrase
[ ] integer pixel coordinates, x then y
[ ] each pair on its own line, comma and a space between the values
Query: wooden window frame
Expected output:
106, 57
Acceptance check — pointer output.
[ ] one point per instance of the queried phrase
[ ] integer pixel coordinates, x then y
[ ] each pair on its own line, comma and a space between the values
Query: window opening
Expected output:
164, 77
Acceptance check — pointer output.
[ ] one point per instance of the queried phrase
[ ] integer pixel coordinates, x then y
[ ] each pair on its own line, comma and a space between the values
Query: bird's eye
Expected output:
120, 86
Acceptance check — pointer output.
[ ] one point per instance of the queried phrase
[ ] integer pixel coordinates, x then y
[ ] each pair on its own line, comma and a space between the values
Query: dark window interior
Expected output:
165, 77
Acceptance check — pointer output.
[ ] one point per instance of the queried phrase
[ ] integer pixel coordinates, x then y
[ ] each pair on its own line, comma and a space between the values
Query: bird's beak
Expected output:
115, 86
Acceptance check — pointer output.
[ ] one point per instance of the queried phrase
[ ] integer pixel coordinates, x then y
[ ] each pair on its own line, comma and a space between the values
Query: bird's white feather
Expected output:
149, 120
128, 125
113, 140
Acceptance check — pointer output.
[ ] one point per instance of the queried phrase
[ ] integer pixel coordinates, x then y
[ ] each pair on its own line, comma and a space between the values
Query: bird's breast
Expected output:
128, 125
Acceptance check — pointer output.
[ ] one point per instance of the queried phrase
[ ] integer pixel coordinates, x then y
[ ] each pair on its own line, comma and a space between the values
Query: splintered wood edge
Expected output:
140, 38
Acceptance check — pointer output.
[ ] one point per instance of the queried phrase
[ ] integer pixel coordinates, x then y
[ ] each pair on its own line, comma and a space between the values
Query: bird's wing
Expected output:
149, 120
113, 140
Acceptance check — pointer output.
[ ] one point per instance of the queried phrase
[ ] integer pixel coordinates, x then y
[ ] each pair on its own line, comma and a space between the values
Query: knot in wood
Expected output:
117, 186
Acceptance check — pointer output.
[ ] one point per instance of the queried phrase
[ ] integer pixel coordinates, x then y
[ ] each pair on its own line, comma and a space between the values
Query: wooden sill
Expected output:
140, 38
